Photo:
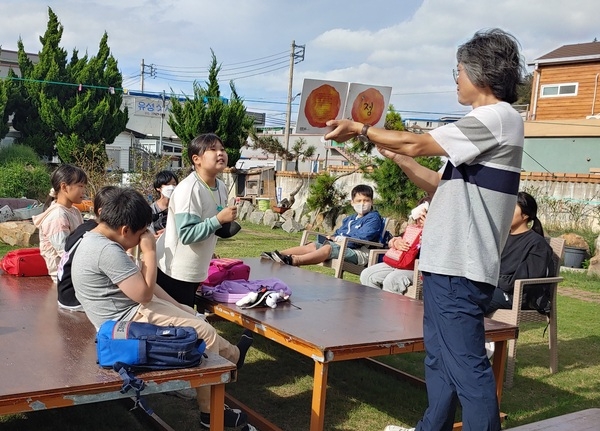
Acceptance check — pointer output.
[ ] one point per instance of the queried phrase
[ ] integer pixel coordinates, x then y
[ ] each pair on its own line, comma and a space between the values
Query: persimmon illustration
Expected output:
322, 104
368, 107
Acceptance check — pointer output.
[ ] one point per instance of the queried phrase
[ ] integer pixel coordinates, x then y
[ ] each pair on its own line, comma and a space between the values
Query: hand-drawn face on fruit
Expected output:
368, 107
322, 104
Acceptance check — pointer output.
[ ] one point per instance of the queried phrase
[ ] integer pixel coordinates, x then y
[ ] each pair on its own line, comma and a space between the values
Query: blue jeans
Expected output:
456, 365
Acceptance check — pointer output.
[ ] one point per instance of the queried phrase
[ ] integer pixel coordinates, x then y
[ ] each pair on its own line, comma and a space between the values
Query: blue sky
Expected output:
406, 44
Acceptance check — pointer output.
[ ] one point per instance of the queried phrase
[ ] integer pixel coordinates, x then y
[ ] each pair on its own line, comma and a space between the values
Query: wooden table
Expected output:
331, 319
48, 357
584, 420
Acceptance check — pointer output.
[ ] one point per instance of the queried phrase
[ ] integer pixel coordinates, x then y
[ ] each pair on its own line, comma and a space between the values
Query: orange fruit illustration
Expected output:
322, 104
368, 107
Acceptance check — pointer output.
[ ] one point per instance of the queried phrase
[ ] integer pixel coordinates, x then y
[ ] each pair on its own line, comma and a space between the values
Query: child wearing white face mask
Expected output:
366, 225
164, 184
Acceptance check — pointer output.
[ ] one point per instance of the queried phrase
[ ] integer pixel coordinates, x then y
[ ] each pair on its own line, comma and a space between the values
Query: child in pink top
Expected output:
61, 217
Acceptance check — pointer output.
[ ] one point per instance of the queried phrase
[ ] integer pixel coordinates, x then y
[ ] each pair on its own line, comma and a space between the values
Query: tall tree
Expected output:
67, 107
397, 194
23, 101
3, 100
90, 116
208, 112
524, 90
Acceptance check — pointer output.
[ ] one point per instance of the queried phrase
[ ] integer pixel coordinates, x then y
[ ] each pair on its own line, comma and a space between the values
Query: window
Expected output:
560, 90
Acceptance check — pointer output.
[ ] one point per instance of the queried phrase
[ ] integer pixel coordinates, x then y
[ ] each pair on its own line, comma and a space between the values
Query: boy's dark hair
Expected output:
104, 195
362, 189
164, 177
201, 143
126, 208
491, 59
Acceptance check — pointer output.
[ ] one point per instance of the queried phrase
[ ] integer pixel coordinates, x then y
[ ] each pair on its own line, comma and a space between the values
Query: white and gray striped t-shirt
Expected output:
470, 214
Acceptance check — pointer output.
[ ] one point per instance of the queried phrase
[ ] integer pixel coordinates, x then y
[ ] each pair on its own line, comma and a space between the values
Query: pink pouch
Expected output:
226, 269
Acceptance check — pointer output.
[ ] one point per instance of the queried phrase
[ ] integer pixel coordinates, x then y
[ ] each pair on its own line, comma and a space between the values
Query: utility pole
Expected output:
293, 56
162, 120
143, 72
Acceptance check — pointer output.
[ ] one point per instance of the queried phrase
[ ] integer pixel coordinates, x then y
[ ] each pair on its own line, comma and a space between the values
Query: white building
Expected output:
147, 132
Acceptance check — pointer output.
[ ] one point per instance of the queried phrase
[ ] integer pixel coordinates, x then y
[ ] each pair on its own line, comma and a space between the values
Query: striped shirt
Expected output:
470, 214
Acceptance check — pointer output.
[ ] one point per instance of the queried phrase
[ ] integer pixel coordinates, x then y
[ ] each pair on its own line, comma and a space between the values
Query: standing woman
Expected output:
164, 184
468, 221
526, 254
197, 209
60, 218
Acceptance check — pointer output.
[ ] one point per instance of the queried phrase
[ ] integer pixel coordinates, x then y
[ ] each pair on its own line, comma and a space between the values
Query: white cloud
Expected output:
409, 45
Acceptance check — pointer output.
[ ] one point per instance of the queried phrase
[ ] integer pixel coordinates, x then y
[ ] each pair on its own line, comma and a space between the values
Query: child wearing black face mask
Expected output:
164, 184
366, 225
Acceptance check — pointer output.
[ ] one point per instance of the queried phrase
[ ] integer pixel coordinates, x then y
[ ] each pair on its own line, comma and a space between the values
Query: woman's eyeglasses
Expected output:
455, 73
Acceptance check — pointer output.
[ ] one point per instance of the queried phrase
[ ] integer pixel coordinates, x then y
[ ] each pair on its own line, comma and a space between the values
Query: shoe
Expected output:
267, 255
70, 307
184, 394
233, 418
397, 428
282, 258
490, 346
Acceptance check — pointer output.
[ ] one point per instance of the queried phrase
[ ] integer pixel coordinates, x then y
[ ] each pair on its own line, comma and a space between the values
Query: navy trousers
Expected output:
456, 366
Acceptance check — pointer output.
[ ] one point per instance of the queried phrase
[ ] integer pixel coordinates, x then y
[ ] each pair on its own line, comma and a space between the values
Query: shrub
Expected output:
19, 154
18, 180
323, 195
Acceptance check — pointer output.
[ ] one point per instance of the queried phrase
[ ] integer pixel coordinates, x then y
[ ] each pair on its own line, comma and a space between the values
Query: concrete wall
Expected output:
568, 200
565, 199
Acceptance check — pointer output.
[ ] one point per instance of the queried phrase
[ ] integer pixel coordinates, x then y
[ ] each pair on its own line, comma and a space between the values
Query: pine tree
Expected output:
90, 117
3, 100
208, 112
66, 107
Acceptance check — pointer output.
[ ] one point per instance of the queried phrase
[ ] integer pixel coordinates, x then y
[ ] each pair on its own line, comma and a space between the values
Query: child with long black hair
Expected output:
526, 254
60, 218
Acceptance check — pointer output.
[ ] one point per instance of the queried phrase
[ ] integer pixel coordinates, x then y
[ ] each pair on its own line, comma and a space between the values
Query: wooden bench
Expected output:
584, 420
48, 357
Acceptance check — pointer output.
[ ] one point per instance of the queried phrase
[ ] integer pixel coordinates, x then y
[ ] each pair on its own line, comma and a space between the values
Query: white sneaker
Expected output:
70, 307
490, 346
397, 428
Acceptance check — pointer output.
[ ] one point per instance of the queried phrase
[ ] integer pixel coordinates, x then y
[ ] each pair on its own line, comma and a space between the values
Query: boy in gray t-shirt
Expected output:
110, 286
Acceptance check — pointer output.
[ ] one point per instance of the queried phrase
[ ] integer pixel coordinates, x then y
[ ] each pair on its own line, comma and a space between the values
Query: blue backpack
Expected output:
135, 346
144, 346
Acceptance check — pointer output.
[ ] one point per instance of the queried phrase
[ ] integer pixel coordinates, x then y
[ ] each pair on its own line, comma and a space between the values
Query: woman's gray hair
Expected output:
491, 59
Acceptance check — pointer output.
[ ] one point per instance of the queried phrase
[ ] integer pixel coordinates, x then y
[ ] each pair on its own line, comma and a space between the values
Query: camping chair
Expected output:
516, 315
339, 265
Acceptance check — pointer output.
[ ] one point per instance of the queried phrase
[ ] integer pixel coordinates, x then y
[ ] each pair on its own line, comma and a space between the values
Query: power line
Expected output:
222, 68
221, 72
231, 76
224, 65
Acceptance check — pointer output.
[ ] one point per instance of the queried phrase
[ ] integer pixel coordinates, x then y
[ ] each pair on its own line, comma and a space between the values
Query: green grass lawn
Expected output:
278, 382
